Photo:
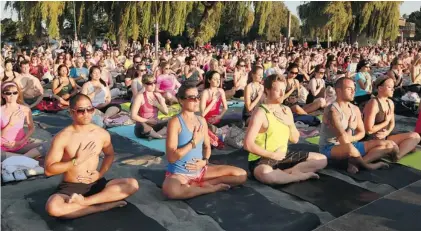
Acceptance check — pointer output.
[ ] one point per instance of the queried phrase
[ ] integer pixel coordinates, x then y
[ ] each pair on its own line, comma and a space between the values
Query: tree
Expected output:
415, 17
375, 19
9, 30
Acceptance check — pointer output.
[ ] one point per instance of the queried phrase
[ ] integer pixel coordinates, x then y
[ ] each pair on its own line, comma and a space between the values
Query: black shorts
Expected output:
239, 94
142, 130
104, 109
292, 158
86, 190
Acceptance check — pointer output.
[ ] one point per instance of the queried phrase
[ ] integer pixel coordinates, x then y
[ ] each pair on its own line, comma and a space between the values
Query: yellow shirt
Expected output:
276, 136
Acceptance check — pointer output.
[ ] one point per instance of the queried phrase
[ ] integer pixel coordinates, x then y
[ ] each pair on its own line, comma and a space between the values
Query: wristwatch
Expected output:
206, 159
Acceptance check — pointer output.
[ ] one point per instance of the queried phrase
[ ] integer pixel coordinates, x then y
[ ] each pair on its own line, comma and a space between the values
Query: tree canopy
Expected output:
375, 19
415, 17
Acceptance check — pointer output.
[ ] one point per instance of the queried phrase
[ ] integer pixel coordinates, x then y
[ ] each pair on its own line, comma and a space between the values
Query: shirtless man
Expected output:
84, 190
31, 86
343, 127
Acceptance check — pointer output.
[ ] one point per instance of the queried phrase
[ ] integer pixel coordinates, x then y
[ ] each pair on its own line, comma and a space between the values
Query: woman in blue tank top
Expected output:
188, 151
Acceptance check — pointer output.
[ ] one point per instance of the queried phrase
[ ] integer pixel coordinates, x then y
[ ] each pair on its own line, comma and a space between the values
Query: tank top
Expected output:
184, 137
398, 78
271, 140
253, 97
66, 89
6, 78
99, 98
327, 136
147, 110
381, 115
166, 83
15, 133
215, 110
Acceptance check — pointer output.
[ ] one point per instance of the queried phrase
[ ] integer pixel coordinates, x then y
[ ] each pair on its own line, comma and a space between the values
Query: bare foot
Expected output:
308, 175
77, 198
352, 168
221, 187
379, 165
111, 205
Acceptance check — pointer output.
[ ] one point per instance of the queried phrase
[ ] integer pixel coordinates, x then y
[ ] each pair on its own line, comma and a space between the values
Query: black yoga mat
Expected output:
396, 175
237, 158
400, 210
330, 194
242, 208
127, 218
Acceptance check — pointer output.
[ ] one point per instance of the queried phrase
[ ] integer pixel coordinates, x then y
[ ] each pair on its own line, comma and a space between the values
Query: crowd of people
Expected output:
357, 126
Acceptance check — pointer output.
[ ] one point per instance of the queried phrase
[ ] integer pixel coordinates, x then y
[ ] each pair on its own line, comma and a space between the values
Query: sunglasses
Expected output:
242, 65
294, 73
150, 83
167, 68
275, 61
142, 70
82, 111
11, 93
192, 97
138, 62
321, 72
193, 60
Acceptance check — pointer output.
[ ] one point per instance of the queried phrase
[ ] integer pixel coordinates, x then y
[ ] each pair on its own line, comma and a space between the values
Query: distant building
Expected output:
407, 28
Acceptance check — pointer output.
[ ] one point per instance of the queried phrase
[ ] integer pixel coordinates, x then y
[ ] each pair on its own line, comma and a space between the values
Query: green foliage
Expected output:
415, 17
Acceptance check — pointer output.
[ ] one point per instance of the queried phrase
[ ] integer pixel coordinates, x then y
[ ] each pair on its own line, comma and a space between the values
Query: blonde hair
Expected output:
417, 60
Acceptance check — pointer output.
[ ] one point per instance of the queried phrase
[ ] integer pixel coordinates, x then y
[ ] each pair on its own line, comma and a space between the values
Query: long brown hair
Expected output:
5, 86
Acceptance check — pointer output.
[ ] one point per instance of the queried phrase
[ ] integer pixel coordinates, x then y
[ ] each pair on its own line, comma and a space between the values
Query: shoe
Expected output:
19, 175
34, 171
7, 177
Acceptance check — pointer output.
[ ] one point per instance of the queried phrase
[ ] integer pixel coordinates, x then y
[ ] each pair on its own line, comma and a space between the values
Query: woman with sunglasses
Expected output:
136, 86
188, 151
253, 94
396, 73
379, 119
213, 96
192, 71
167, 84
63, 86
144, 110
316, 87
270, 129
240, 78
292, 94
14, 115
99, 93
363, 83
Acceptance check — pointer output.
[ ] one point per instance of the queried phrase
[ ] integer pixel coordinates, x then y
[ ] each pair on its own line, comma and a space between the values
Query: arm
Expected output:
333, 118
162, 107
110, 80
137, 103
85, 91
224, 103
294, 134
392, 121
359, 131
30, 124
108, 151
53, 165
256, 123
203, 109
206, 141
56, 88
174, 153
134, 87
74, 87
236, 78
370, 112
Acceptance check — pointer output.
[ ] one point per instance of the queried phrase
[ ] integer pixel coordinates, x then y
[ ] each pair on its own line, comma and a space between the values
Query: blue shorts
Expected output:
326, 150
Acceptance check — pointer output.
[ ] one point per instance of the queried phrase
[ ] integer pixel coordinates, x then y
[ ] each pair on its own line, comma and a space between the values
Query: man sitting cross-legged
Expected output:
343, 128
271, 127
75, 153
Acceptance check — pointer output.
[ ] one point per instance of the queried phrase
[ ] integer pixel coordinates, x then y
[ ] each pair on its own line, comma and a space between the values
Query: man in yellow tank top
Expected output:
270, 129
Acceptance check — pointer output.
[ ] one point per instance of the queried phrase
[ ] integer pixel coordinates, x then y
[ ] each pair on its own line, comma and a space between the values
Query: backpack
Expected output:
49, 104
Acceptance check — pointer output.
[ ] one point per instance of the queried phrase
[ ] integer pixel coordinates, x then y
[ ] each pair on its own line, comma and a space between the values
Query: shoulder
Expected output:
221, 91
355, 109
63, 136
173, 122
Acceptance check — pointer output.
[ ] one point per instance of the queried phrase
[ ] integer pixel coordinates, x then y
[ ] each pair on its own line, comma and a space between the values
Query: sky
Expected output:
407, 7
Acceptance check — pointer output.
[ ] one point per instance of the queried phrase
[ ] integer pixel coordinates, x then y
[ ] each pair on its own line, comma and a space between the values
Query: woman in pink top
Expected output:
167, 84
144, 111
212, 98
14, 114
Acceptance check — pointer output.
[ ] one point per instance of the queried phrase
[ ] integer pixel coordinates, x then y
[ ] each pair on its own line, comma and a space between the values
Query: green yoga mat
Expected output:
320, 117
412, 160
313, 140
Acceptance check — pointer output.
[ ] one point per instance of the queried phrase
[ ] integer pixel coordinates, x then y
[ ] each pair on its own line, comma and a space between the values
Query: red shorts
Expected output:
191, 178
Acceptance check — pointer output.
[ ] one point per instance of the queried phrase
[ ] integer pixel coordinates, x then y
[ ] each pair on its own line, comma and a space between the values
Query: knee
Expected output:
133, 185
52, 209
262, 174
241, 174
171, 192
320, 160
415, 136
353, 152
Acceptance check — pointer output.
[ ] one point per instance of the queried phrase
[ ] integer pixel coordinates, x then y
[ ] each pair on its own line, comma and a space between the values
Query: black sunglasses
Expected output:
293, 73
192, 97
82, 111
150, 83
11, 93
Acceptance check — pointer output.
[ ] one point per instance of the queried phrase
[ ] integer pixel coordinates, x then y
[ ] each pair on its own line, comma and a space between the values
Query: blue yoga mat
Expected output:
128, 131
235, 104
